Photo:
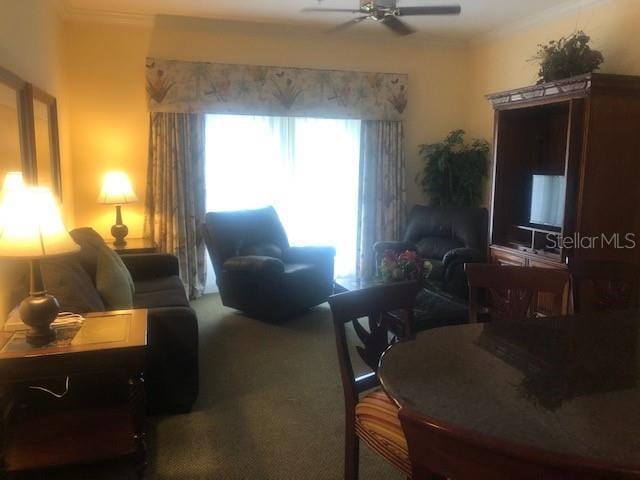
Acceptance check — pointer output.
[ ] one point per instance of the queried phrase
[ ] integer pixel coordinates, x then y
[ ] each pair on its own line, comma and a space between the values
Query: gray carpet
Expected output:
270, 407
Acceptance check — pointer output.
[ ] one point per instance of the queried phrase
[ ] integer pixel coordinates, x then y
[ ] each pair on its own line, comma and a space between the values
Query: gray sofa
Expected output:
171, 374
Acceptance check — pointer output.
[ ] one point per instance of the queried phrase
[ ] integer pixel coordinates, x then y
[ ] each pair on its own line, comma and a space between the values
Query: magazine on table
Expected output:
65, 319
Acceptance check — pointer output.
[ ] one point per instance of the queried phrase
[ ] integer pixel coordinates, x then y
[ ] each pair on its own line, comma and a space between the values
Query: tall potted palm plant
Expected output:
454, 171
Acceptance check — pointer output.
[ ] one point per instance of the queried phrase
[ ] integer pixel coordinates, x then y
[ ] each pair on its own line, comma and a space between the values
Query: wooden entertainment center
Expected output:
567, 155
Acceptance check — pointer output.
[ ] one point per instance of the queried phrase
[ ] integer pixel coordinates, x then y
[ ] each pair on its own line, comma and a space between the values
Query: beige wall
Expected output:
105, 66
31, 47
97, 73
106, 70
500, 63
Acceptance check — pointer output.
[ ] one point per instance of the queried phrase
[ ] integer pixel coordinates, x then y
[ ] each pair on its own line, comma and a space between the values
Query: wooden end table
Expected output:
134, 245
109, 344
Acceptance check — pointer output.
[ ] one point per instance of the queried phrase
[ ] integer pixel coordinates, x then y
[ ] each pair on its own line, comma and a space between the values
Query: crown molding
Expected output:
69, 13
290, 30
545, 16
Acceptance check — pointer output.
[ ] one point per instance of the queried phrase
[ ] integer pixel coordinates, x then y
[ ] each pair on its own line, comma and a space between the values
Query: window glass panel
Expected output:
307, 168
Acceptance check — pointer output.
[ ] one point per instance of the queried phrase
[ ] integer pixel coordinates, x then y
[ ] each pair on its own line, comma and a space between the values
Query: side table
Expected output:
109, 344
134, 245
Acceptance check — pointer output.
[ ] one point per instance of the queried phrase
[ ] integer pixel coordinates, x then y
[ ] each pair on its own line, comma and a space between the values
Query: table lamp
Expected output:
117, 190
31, 228
12, 180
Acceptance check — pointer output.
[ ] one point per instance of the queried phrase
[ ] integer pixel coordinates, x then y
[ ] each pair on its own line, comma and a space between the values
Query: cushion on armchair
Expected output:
261, 250
436, 247
254, 265
395, 246
463, 255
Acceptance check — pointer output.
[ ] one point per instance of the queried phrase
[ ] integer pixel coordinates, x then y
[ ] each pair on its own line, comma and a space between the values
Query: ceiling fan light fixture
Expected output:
388, 13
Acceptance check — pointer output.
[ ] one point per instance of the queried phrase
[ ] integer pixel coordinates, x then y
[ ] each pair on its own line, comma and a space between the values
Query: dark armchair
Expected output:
448, 237
257, 271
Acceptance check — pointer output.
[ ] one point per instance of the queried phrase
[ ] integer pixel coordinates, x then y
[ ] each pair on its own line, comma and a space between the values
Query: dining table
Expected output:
562, 393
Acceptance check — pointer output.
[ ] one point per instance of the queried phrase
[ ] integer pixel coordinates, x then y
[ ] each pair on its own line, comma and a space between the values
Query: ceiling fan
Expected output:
387, 12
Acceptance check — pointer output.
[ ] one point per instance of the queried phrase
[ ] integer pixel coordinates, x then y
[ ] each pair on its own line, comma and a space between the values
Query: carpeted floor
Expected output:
270, 407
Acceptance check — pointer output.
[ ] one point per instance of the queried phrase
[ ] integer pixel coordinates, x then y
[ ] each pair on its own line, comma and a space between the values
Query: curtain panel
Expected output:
179, 86
382, 208
175, 204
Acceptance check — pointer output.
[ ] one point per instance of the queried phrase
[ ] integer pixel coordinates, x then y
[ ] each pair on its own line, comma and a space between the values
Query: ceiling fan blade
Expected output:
439, 10
397, 25
341, 10
345, 25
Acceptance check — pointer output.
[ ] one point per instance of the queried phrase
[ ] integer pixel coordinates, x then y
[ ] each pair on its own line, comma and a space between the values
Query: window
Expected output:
307, 168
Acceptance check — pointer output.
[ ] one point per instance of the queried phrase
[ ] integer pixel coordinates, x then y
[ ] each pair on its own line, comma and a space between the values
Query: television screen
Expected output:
547, 200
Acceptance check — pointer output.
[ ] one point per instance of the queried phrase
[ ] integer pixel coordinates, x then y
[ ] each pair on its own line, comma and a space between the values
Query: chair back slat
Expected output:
384, 306
368, 301
604, 285
512, 292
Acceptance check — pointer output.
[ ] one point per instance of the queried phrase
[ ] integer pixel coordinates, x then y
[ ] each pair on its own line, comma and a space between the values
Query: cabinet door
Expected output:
504, 258
544, 302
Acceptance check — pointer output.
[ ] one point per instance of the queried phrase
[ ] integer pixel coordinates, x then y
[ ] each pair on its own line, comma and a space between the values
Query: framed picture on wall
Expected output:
45, 139
15, 144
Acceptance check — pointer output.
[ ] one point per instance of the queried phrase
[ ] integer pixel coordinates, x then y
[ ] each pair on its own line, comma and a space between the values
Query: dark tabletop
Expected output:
434, 306
568, 385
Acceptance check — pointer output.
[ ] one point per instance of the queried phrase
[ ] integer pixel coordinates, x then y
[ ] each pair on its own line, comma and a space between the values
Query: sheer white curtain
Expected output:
307, 168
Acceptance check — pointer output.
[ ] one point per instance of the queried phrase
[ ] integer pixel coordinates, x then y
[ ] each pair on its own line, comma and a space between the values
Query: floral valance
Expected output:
177, 86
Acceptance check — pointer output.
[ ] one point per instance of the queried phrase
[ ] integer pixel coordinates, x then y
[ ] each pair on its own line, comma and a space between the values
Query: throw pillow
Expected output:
90, 243
113, 280
65, 279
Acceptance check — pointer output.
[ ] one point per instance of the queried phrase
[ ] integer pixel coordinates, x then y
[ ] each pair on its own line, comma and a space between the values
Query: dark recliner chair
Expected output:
257, 271
448, 237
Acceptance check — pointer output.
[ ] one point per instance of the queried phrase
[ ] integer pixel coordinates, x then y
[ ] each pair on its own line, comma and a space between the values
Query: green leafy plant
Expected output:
454, 171
567, 57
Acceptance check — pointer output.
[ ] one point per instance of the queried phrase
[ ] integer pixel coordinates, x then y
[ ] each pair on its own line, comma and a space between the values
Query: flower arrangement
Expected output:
567, 57
407, 265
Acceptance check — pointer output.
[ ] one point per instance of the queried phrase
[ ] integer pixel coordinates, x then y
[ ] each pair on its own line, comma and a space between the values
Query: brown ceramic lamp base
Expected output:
119, 231
39, 310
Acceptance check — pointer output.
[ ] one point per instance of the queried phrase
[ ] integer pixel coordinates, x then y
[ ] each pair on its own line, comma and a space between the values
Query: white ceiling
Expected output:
478, 16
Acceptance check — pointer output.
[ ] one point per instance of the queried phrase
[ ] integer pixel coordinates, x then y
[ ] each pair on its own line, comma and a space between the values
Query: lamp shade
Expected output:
12, 180
117, 189
31, 225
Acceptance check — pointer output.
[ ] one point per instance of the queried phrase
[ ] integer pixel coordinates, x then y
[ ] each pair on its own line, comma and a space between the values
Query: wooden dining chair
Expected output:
369, 413
604, 285
461, 454
510, 292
